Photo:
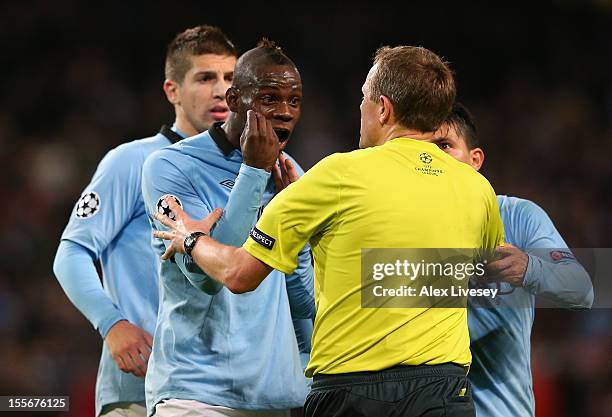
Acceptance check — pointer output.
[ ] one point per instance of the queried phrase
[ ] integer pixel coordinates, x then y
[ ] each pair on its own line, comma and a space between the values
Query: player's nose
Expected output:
283, 112
220, 88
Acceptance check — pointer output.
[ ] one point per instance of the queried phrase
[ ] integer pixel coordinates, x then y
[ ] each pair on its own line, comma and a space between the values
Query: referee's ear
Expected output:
232, 97
385, 111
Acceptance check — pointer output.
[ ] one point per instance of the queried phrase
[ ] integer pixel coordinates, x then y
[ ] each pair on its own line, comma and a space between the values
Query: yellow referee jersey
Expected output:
403, 194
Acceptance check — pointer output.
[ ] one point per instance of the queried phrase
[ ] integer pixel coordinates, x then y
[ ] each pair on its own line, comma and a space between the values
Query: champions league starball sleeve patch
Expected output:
164, 209
88, 205
561, 255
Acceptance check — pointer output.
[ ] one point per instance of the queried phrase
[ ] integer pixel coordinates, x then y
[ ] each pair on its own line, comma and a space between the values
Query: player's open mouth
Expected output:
283, 134
219, 113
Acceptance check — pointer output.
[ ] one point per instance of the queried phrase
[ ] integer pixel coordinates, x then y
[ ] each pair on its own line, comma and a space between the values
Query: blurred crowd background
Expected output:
79, 79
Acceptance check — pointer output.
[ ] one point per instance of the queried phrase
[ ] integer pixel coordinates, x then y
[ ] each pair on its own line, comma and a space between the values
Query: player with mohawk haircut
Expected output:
273, 48
216, 353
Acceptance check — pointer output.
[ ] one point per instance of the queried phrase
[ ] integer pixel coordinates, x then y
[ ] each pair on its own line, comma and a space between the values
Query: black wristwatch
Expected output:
190, 241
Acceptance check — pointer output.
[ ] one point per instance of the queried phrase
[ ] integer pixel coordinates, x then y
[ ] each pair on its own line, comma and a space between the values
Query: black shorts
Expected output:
407, 391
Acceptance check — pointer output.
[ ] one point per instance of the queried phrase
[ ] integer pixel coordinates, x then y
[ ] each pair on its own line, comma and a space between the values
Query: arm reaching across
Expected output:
233, 267
542, 264
302, 211
161, 177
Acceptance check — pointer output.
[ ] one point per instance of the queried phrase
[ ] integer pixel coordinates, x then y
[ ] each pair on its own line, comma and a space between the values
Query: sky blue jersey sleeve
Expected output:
161, 177
105, 206
300, 287
75, 270
552, 271
244, 202
300, 284
303, 334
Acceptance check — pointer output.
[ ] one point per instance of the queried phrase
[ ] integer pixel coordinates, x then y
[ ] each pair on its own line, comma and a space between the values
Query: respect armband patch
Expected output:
262, 238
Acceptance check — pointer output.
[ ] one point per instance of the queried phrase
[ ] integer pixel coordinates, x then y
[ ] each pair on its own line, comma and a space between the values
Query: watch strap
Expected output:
191, 240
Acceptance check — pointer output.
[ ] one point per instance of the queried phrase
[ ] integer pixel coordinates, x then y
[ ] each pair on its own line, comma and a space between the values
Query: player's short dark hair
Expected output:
267, 52
418, 83
463, 122
199, 40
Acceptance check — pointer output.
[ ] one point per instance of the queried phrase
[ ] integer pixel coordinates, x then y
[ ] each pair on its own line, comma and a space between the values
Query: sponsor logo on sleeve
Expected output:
88, 205
560, 255
164, 209
262, 238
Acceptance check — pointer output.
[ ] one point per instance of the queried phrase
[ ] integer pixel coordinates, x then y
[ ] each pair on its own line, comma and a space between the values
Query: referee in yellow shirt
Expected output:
398, 191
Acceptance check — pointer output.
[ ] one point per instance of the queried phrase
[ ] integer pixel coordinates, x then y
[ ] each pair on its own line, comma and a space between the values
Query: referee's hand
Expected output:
181, 227
259, 143
130, 346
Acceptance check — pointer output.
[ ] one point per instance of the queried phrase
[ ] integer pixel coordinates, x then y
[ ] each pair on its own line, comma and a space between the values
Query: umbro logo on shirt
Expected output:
228, 183
262, 238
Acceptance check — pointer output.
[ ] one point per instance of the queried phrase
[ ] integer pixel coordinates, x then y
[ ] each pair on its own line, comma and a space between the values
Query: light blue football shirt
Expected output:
234, 350
500, 332
109, 223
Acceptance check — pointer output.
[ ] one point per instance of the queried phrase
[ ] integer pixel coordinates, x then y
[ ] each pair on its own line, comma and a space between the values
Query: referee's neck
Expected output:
397, 131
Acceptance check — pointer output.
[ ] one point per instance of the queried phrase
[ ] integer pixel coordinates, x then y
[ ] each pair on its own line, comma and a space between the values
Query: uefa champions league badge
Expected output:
164, 209
561, 255
88, 205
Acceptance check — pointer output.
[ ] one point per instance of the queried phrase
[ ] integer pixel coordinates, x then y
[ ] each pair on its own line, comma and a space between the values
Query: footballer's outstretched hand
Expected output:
130, 347
182, 226
284, 173
510, 266
259, 143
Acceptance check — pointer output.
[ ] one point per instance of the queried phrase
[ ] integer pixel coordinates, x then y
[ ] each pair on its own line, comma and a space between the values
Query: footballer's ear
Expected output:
171, 90
477, 158
232, 97
385, 110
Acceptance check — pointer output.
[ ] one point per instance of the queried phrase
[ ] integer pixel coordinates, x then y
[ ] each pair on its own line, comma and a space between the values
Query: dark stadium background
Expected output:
79, 78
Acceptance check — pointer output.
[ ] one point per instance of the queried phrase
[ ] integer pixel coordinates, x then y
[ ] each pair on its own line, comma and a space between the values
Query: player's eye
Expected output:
295, 101
207, 78
444, 145
229, 77
268, 99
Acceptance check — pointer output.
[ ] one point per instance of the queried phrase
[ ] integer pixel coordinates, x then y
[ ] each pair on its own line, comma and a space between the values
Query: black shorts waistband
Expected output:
396, 373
